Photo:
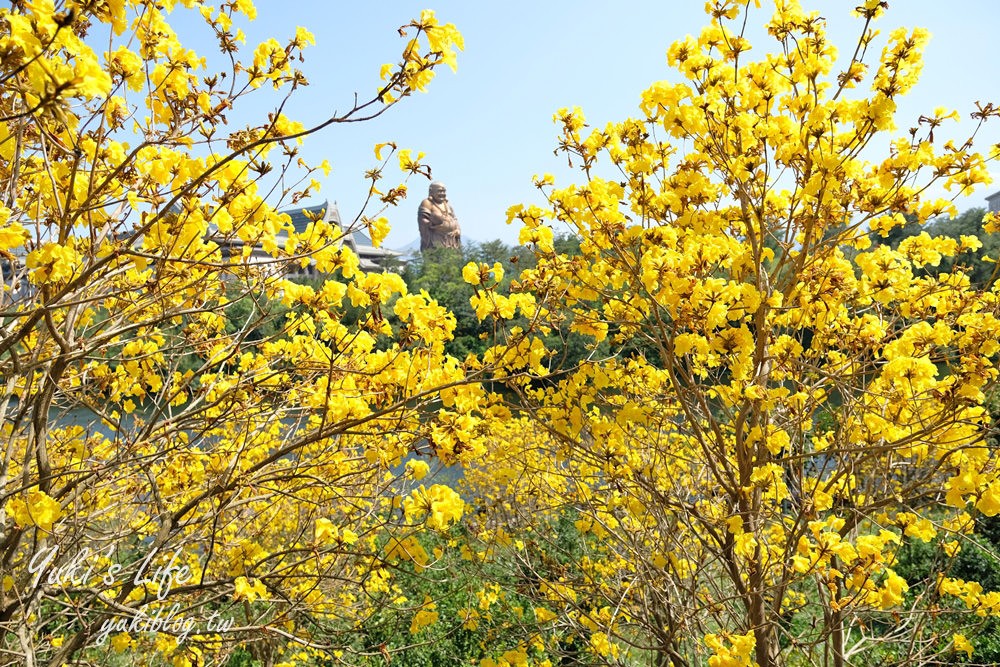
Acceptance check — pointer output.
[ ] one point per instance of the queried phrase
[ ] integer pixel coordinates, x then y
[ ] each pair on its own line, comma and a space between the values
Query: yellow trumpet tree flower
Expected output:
774, 405
198, 453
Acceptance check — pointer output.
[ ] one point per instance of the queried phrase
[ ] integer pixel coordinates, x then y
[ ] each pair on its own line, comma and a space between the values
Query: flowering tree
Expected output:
783, 405
231, 480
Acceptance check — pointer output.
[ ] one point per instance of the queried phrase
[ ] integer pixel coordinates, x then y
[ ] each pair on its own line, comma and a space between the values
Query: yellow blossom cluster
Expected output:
184, 424
776, 402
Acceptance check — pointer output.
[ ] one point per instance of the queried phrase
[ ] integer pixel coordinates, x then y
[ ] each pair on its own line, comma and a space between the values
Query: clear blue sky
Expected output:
488, 128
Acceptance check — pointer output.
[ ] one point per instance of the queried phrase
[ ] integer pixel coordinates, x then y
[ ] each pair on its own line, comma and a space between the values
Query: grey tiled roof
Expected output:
368, 255
301, 217
361, 239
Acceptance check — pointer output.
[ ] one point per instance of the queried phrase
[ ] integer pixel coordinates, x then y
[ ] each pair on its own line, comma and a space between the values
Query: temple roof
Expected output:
370, 258
301, 217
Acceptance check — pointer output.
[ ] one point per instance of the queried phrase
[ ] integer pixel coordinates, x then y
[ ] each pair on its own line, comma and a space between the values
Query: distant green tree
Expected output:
439, 272
975, 263
895, 235
979, 265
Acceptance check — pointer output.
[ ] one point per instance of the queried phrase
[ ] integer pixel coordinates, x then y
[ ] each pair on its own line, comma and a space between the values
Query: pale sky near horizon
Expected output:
488, 128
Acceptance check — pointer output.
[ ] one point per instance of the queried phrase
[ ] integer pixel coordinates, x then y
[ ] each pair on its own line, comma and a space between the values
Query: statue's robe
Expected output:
438, 226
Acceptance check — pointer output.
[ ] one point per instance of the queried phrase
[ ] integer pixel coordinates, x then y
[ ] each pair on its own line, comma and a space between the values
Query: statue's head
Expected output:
437, 192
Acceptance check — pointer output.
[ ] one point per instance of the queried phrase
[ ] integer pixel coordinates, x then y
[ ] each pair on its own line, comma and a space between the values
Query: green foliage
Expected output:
897, 234
476, 617
253, 314
975, 264
439, 272
979, 265
922, 563
242, 658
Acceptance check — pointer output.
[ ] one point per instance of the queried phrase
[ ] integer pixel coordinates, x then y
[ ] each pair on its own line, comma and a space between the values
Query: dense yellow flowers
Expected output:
182, 424
36, 509
439, 505
772, 404
775, 403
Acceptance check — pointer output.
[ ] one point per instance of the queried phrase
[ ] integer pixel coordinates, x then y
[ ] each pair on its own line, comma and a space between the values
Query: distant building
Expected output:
993, 201
370, 258
14, 285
